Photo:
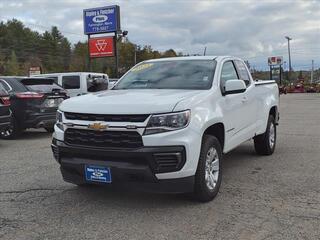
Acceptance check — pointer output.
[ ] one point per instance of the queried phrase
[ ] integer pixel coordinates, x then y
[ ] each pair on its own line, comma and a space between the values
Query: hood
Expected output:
137, 101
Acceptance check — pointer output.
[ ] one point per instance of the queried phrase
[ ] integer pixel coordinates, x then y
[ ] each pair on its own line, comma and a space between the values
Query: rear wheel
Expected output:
12, 131
208, 175
265, 143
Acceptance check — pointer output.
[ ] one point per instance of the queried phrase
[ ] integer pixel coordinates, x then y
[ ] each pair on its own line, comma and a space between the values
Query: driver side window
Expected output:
228, 72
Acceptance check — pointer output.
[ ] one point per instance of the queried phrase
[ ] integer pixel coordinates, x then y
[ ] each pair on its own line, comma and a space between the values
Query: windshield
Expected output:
182, 74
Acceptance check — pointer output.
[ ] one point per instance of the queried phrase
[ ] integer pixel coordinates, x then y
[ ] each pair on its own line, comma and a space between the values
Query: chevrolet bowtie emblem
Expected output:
98, 126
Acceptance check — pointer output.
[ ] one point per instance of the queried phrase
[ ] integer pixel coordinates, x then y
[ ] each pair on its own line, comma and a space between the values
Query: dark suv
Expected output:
5, 114
34, 102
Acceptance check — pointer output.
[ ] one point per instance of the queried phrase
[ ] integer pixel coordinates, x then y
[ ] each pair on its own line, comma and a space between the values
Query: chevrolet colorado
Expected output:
165, 126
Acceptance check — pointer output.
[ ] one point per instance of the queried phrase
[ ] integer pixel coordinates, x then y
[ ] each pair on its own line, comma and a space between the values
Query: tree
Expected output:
21, 47
12, 65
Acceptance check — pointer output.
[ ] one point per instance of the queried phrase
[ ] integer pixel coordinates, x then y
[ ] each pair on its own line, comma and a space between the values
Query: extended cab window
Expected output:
71, 82
228, 72
243, 72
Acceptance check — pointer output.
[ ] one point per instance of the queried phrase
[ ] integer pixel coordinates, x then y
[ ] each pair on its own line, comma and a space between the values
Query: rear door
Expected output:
249, 103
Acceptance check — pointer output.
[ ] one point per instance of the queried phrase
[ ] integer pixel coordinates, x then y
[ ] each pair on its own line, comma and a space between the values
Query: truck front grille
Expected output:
106, 117
103, 139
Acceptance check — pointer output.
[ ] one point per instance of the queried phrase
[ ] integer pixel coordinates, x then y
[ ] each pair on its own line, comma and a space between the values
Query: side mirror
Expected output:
234, 86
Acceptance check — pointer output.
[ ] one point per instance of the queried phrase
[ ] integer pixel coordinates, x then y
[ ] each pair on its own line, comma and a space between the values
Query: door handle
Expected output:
244, 99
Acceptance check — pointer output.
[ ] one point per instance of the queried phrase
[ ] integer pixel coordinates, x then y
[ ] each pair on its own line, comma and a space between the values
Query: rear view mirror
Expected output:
234, 86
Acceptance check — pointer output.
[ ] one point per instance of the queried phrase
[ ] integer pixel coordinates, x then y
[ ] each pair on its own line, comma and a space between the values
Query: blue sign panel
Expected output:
101, 20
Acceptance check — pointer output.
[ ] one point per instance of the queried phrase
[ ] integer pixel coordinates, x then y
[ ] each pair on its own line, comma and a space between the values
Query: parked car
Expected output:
5, 113
79, 83
311, 89
298, 88
165, 126
34, 103
112, 82
283, 89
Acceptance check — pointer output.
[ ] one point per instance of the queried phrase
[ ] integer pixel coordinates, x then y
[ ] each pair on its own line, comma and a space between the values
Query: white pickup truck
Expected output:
165, 126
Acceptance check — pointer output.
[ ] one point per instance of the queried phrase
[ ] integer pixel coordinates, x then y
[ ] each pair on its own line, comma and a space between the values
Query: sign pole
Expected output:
89, 58
116, 54
280, 77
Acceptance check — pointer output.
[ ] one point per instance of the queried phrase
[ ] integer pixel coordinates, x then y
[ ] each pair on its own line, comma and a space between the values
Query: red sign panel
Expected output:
101, 47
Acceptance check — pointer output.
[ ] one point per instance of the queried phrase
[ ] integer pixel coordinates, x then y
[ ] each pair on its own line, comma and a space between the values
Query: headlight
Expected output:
167, 122
59, 120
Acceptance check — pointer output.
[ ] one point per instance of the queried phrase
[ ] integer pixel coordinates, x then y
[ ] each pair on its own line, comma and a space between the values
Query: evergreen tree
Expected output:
12, 65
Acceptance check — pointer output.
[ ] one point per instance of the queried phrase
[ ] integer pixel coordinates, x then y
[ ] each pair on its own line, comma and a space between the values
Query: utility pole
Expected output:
312, 69
205, 50
135, 54
290, 68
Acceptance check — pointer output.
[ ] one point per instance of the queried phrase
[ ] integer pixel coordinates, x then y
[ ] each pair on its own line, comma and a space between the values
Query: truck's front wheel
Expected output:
208, 175
265, 143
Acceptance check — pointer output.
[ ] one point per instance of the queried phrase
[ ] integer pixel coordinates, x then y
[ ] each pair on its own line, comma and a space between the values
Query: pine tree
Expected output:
12, 65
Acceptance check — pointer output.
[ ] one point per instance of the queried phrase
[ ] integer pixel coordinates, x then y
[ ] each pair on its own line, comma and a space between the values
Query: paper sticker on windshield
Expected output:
142, 67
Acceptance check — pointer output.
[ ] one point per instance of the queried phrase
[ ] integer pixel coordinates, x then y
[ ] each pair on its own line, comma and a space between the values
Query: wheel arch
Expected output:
274, 112
218, 131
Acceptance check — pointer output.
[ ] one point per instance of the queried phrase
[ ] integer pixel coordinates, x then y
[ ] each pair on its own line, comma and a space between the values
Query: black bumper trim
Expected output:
130, 168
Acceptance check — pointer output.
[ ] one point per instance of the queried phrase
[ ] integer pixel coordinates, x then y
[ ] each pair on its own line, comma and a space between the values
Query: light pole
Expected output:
289, 39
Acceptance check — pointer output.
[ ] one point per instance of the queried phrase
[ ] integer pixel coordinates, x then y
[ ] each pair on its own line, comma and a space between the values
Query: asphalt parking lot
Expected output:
272, 197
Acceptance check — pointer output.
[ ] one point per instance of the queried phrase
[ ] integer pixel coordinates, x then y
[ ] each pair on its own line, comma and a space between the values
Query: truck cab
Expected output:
166, 125
79, 83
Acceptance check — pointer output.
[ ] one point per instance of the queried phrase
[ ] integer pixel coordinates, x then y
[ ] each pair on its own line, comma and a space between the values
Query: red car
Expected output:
298, 88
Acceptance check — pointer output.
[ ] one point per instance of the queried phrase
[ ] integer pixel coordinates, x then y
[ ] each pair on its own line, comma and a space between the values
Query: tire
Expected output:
49, 129
13, 131
265, 143
211, 151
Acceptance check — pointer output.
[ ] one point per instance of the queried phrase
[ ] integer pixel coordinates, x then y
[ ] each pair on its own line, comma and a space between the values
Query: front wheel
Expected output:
209, 171
265, 143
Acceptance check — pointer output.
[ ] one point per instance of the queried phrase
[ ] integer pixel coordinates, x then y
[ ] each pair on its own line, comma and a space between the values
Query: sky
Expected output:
253, 30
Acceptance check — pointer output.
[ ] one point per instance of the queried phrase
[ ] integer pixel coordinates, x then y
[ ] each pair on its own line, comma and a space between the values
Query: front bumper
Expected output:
130, 168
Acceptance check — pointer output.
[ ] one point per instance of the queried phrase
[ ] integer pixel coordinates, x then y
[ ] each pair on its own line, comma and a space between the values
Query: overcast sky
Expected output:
253, 30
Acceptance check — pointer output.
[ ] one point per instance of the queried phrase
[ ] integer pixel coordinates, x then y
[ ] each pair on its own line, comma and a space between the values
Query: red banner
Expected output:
101, 47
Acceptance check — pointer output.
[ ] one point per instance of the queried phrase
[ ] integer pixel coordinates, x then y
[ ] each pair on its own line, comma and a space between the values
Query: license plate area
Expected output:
100, 174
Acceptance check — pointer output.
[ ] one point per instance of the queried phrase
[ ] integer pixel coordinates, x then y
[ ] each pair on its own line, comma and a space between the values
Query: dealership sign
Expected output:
101, 20
34, 71
272, 61
101, 47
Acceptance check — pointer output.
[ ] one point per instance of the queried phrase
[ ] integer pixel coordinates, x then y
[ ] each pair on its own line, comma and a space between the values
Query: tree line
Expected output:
22, 48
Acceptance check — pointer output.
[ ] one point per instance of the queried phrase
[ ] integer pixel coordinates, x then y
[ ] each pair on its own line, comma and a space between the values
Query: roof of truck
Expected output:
190, 58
